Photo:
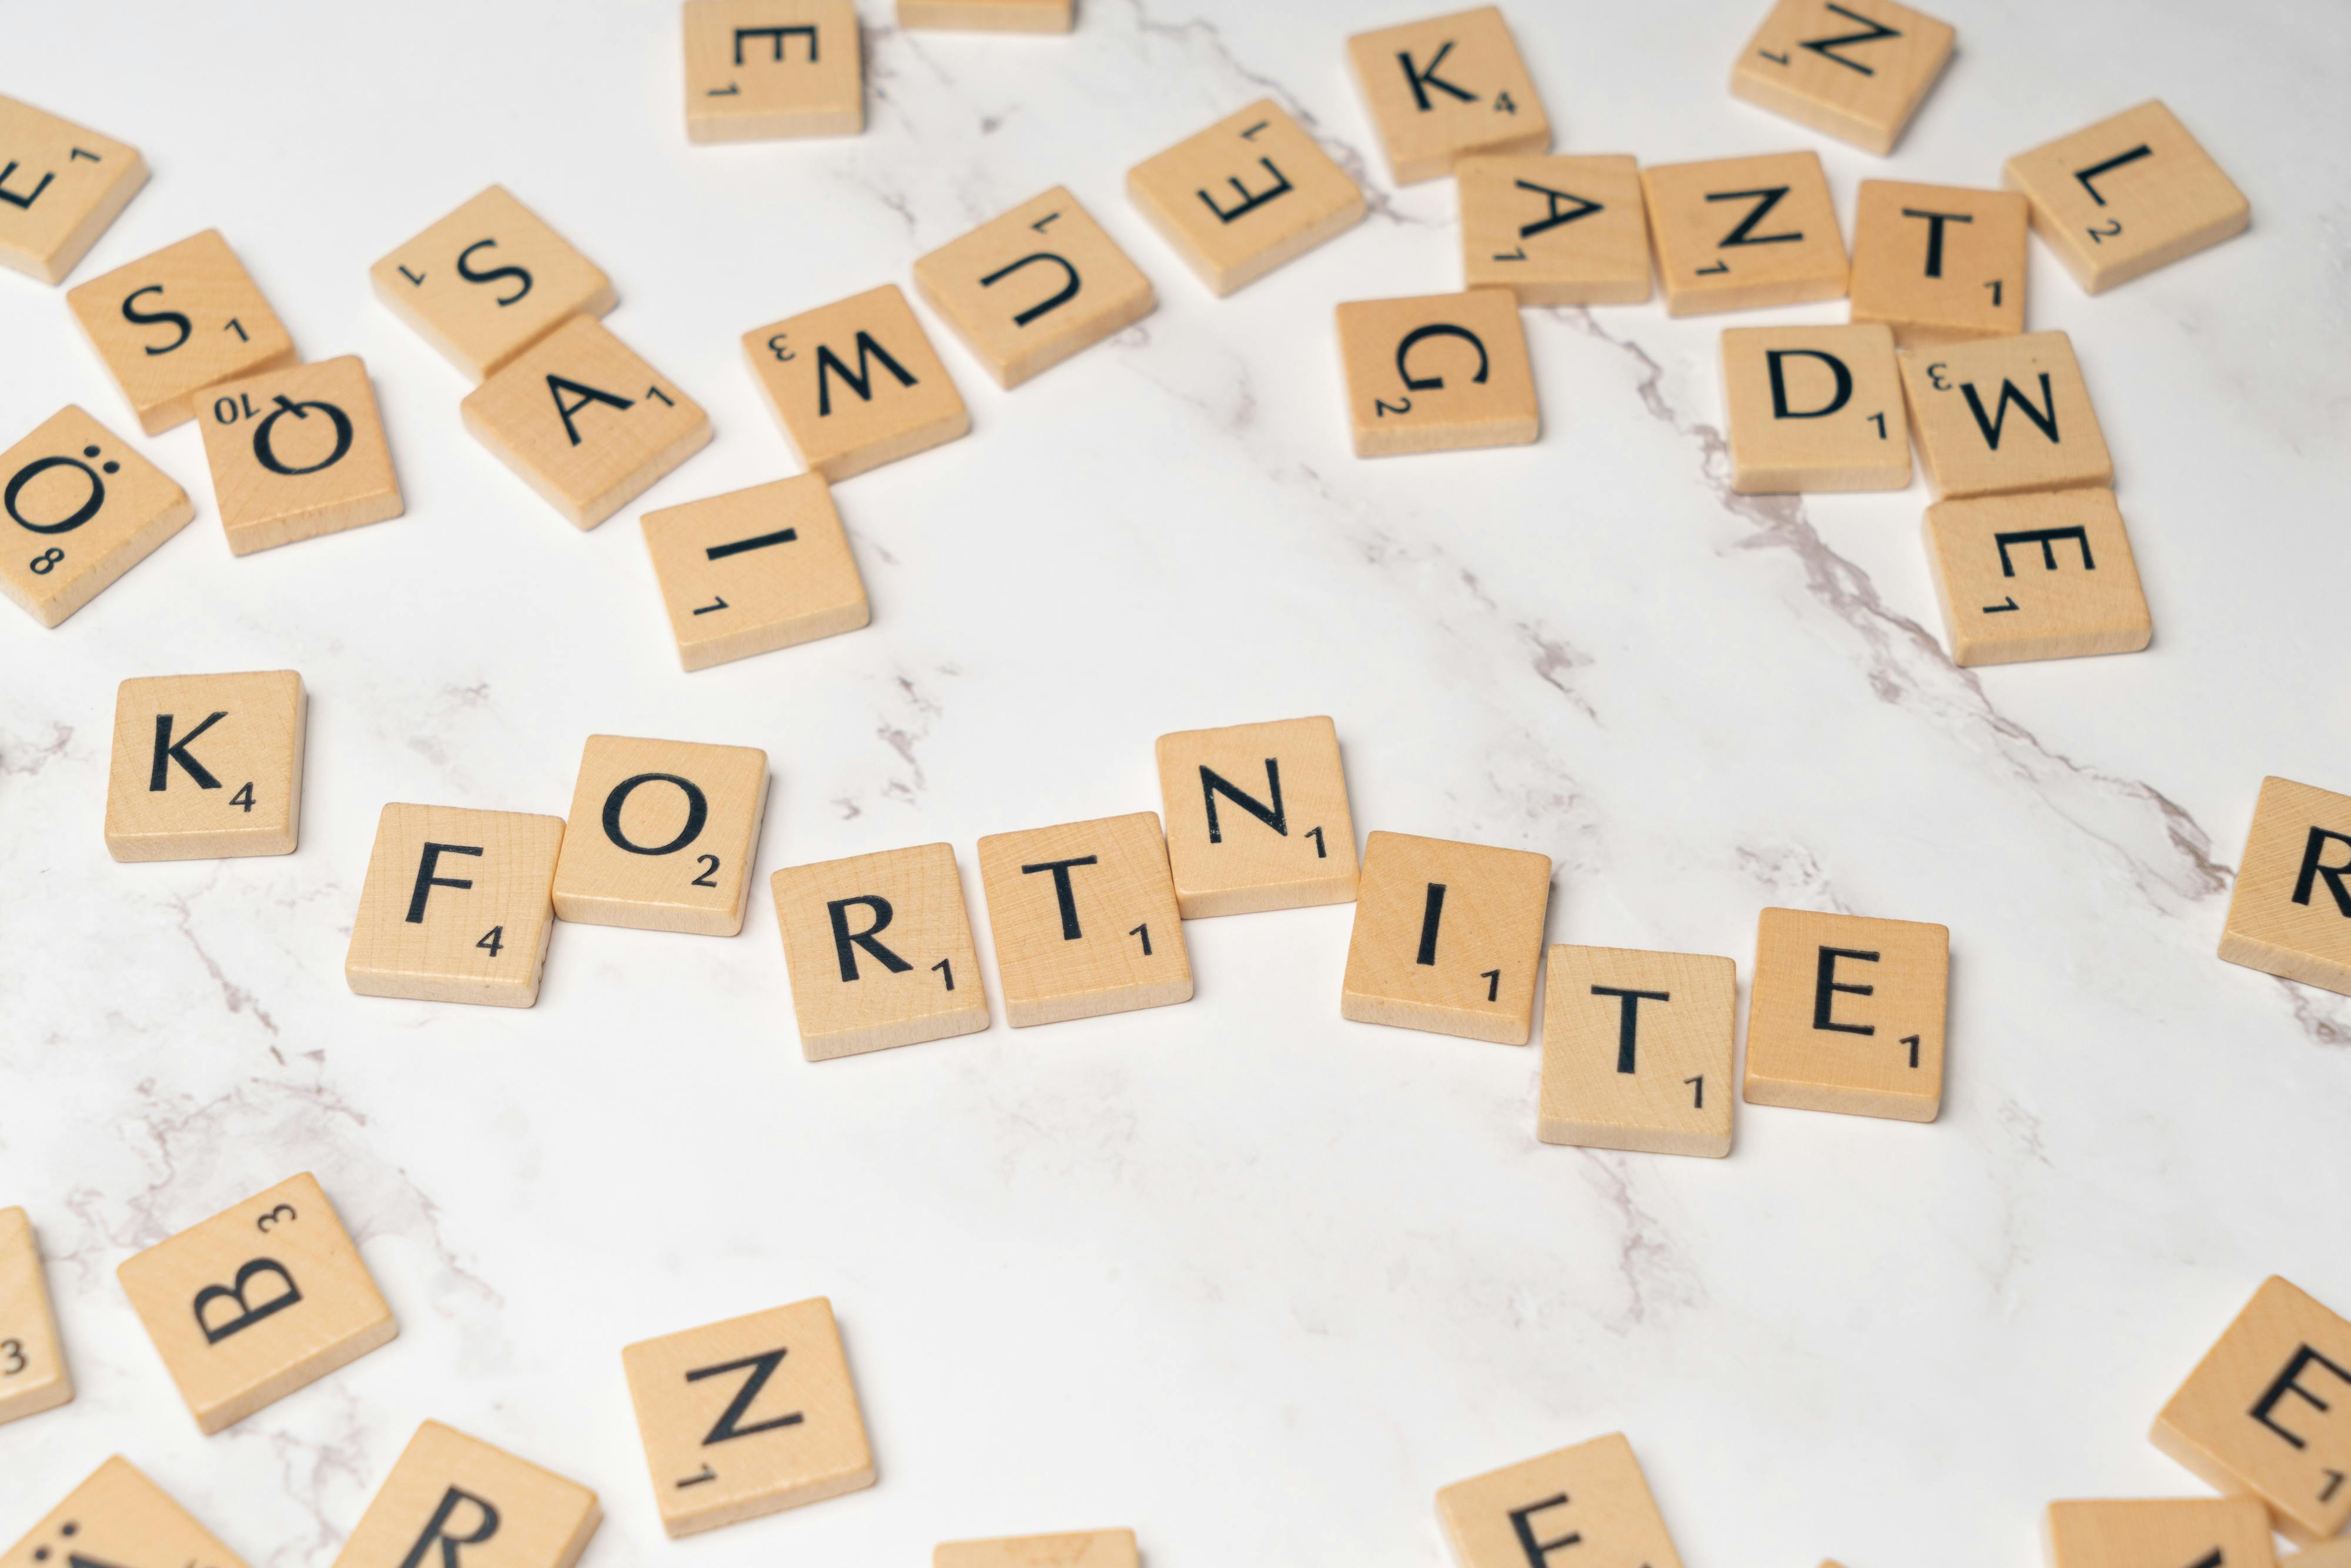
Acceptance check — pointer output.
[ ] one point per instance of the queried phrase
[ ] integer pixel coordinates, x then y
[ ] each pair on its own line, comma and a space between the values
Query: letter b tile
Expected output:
451, 1497
662, 835
879, 949
81, 508
1588, 1504
456, 908
1847, 1014
2291, 913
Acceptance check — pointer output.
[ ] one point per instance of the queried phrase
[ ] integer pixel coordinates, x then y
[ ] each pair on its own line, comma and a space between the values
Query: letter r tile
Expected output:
450, 1494
878, 950
1847, 1014
2291, 913
1589, 1503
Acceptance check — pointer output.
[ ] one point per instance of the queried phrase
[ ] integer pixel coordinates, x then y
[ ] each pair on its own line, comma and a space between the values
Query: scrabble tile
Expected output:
1439, 89
1256, 818
1847, 1014
1244, 196
60, 186
1739, 234
662, 835
266, 1297
2267, 1413
2183, 1533
119, 1516
296, 452
1815, 408
2127, 195
754, 570
878, 950
171, 325
2003, 414
1029, 289
1555, 230
449, 1496
205, 767
1440, 373
1938, 264
488, 281
2046, 576
456, 906
584, 421
2291, 912
1854, 70
748, 1417
2332, 1554
989, 15
1081, 1548
86, 509
756, 70
1084, 920
33, 1373
1636, 1051
856, 383
1592, 1496
1447, 938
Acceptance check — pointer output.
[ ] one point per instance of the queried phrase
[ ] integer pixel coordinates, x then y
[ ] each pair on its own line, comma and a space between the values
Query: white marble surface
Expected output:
1250, 1279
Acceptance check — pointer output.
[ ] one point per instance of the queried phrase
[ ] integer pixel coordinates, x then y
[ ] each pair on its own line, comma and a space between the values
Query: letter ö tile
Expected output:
451, 1496
456, 906
2291, 912
119, 1517
878, 950
662, 835
82, 509
206, 766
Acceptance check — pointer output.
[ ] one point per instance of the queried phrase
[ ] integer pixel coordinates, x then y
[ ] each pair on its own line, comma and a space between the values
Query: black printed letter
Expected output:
249, 1313
1628, 1009
2311, 870
1062, 891
1212, 783
557, 386
1539, 1552
426, 881
846, 942
1824, 991
437, 1529
1779, 409
167, 752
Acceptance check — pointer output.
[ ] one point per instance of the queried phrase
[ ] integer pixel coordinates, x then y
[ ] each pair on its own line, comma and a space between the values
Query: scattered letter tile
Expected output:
2127, 195
1636, 1051
2333, 1553
989, 15
1847, 1014
1592, 1497
1555, 230
662, 835
1854, 70
1739, 234
1246, 195
170, 324
33, 1373
1084, 920
754, 570
1081, 1548
83, 509
1999, 416
1939, 263
488, 281
856, 383
456, 906
296, 452
1815, 408
450, 1495
119, 1516
1447, 938
1256, 817
1440, 373
2174, 1532
205, 767
756, 70
2291, 912
1443, 88
2043, 576
878, 950
1034, 286
60, 186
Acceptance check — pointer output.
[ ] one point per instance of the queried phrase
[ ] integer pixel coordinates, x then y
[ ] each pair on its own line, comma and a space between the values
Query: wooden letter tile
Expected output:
1939, 263
451, 1495
296, 452
1847, 1014
754, 570
1815, 408
2046, 576
2291, 912
2332, 1554
584, 421
662, 835
756, 70
119, 1516
989, 15
2127, 195
1447, 938
456, 907
173, 324
1449, 86
260, 1299
2182, 1533
856, 383
2003, 414
33, 1375
1854, 70
1030, 289
1636, 1051
60, 186
1249, 194
1440, 373
1256, 818
748, 1417
1555, 230
878, 950
1082, 1549
1084, 920
205, 767
82, 509
1592, 1496
1739, 234
488, 281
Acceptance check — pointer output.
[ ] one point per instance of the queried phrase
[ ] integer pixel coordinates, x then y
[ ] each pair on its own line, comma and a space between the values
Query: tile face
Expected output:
1083, 1549
488, 281
119, 1516
756, 70
296, 452
1741, 233
2332, 1554
1847, 1014
1555, 230
856, 383
584, 421
2127, 195
1939, 263
174, 323
2170, 1533
748, 1417
1636, 1051
456, 906
1815, 408
989, 15
1084, 920
1256, 817
2046, 576
1592, 1496
1029, 289
754, 570
662, 835
1445, 86
2004, 414
60, 186
878, 950
262, 1299
82, 509
453, 1498
1855, 69
1440, 373
33, 1373
205, 767
1447, 938
1244, 196
2291, 912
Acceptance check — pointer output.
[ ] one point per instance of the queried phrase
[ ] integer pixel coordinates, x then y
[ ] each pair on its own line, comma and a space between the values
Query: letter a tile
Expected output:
33, 1373
2167, 1533
1636, 1051
258, 1300
298, 453
1443, 88
1084, 920
1442, 374
1592, 1497
754, 570
1938, 264
1256, 817
1847, 1014
2003, 414
1739, 234
171, 325
1081, 1548
205, 767
1815, 408
488, 281
1555, 230
2044, 576
759, 70
856, 383
1855, 69
1034, 286
2127, 195
1447, 938
662, 835
450, 1495
878, 950
60, 187
82, 509
2291, 912
456, 906
119, 1516
1244, 196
